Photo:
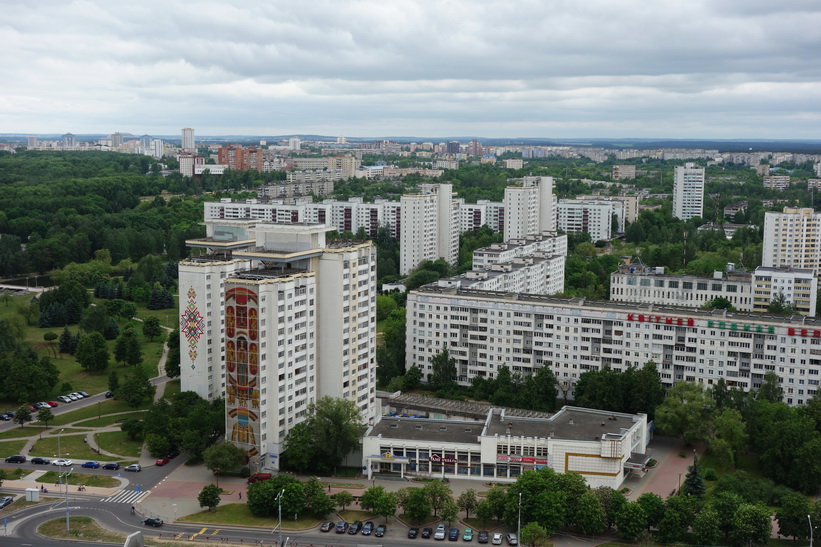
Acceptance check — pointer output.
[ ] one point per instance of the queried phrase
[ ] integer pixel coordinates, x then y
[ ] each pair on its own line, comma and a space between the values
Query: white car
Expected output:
64, 398
497, 539
440, 532
62, 463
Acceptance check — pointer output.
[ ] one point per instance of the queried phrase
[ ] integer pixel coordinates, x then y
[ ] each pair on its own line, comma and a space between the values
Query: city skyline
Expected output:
708, 70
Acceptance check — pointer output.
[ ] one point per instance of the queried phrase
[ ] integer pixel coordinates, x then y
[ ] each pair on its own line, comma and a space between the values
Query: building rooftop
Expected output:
570, 423
417, 429
625, 307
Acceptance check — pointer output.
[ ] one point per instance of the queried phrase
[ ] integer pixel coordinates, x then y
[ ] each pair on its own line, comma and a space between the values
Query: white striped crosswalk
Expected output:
126, 496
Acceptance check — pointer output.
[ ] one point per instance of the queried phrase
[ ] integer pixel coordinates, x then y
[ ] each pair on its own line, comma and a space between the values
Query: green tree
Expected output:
136, 389
342, 499
113, 381
719, 303
589, 518
792, 516
300, 448
92, 353
750, 526
386, 505
412, 378
418, 507
293, 499
706, 528
223, 457
550, 511
152, 328
127, 349
3, 477
771, 389
209, 496
653, 507
686, 412
438, 493
630, 521
133, 428
484, 512
612, 502
497, 498
22, 416
533, 534
157, 445
671, 527
384, 306
468, 501
172, 359
44, 416
337, 427
694, 482
539, 391
443, 377
450, 511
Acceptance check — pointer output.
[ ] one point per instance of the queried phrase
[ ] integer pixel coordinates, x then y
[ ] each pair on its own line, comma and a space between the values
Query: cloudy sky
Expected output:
502, 68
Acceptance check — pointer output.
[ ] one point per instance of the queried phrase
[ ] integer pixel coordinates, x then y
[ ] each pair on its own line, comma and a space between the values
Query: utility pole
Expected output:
519, 525
810, 521
278, 499
67, 509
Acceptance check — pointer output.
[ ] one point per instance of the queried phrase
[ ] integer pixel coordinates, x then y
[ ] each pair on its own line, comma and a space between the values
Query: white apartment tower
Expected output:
430, 226
274, 317
530, 208
688, 191
792, 238
188, 144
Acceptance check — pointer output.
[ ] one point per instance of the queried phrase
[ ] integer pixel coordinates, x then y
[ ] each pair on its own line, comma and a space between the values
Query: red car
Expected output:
163, 461
52, 404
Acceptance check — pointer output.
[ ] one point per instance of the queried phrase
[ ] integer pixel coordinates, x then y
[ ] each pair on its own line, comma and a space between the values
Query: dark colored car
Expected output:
91, 465
453, 534
84, 394
153, 521
5, 417
16, 459
380, 530
326, 526
413, 532
40, 461
11, 413
482, 536
427, 532
6, 501
367, 528
341, 527
355, 527
112, 466
108, 395
173, 454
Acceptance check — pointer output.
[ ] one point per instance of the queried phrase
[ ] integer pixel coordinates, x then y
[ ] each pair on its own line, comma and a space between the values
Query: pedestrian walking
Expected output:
240, 495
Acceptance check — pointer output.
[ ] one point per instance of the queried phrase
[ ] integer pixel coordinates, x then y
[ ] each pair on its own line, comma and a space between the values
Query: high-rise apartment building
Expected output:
240, 159
688, 191
792, 238
188, 162
430, 226
593, 217
69, 141
530, 208
31, 142
273, 318
188, 144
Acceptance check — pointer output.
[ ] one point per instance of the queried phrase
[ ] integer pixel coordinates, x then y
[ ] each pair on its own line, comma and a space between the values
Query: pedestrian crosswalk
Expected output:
126, 496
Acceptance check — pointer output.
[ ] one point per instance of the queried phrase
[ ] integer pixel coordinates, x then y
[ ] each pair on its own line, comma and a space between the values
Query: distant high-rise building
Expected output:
593, 217
454, 147
294, 143
430, 226
31, 142
157, 148
688, 191
188, 144
240, 159
792, 238
530, 208
187, 163
116, 140
69, 141
145, 144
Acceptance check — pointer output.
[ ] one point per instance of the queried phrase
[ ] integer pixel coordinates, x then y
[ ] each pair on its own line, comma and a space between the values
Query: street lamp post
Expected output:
519, 525
809, 519
67, 509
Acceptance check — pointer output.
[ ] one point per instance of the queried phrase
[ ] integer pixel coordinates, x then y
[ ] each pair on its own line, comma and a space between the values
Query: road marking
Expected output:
217, 531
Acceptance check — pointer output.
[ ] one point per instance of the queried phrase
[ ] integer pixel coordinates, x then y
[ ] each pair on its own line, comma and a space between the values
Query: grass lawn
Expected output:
80, 527
351, 515
14, 473
110, 419
748, 462
172, 389
239, 514
109, 406
168, 318
10, 448
117, 442
70, 446
50, 477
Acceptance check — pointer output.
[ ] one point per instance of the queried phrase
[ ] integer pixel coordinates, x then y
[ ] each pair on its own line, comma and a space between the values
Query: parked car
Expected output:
19, 458
112, 465
367, 528
173, 454
84, 394
326, 526
413, 532
5, 417
5, 501
73, 397
91, 465
64, 398
162, 461
153, 521
108, 395
77, 394
256, 477
482, 537
427, 532
341, 527
380, 530
467, 535
497, 539
453, 534
440, 532
10, 413
40, 461
38, 406
355, 527
62, 462
53, 404
512, 539
134, 467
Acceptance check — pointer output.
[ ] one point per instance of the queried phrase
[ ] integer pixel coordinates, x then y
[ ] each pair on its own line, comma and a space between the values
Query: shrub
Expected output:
710, 474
